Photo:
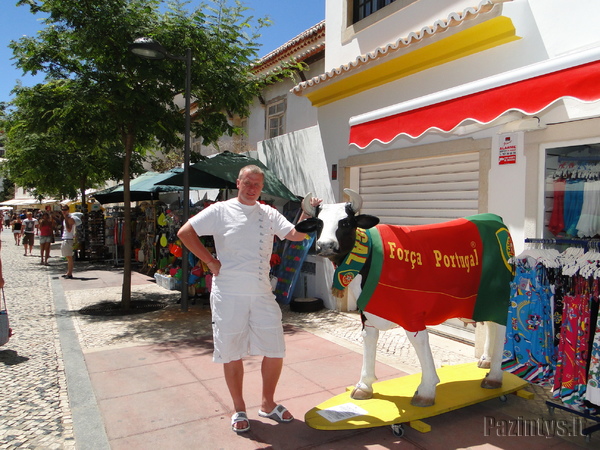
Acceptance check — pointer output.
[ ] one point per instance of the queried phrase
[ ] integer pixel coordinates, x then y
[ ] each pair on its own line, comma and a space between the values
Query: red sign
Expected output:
507, 153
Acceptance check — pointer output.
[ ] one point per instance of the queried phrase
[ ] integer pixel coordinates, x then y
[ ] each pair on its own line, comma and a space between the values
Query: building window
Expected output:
275, 118
364, 8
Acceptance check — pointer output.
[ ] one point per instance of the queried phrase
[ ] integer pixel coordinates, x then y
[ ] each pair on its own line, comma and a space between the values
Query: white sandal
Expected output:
237, 418
276, 414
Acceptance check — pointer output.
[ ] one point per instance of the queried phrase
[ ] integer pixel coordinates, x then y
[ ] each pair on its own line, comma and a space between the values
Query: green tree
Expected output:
57, 144
86, 41
7, 189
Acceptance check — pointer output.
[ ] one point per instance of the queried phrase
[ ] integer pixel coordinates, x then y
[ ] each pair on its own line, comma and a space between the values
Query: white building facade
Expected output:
438, 110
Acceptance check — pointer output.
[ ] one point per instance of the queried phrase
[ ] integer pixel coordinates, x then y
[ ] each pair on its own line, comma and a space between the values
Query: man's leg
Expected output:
271, 370
69, 265
234, 377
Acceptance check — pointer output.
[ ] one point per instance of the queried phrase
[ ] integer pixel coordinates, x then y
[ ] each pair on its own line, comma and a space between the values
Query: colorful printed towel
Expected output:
424, 275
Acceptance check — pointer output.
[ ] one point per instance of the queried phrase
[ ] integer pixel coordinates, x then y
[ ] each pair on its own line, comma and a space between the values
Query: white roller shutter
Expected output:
421, 191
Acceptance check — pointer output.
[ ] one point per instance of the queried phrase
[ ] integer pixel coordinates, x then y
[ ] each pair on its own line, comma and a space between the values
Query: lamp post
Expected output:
150, 49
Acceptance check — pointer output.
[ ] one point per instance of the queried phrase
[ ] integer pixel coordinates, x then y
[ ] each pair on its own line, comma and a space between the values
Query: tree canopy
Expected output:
59, 145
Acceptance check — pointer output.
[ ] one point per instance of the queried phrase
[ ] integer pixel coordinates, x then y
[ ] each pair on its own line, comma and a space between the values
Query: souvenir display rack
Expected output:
553, 331
572, 193
95, 248
113, 232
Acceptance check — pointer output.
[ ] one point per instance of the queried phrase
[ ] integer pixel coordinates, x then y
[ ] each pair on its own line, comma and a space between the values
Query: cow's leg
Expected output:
492, 355
364, 388
370, 334
425, 395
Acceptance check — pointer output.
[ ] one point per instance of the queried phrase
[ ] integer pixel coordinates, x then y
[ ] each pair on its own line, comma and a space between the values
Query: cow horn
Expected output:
307, 207
355, 199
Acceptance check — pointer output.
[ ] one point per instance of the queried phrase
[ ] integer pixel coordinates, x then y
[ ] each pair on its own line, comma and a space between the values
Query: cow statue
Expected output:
414, 276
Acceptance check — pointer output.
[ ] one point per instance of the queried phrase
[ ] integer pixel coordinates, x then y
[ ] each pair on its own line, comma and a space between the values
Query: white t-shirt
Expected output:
66, 234
29, 225
243, 238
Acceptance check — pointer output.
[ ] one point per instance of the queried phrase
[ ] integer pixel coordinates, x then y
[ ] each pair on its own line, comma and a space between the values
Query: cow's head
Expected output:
335, 225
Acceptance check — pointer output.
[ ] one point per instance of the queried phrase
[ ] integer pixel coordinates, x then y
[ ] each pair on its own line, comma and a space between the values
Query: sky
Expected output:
289, 19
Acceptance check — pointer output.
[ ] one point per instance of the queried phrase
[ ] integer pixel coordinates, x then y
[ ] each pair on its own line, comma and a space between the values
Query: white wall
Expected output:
567, 25
506, 188
300, 113
299, 160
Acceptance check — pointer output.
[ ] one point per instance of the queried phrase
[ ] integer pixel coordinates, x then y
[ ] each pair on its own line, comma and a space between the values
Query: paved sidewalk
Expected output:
34, 406
147, 380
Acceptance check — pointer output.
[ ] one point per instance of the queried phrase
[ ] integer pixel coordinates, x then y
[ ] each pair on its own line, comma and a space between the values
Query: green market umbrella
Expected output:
221, 171
142, 188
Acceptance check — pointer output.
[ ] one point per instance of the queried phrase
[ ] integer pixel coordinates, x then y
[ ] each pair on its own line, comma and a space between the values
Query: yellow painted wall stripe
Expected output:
489, 34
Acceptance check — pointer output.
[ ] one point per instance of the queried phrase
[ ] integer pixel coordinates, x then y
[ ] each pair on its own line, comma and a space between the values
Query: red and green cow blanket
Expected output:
423, 275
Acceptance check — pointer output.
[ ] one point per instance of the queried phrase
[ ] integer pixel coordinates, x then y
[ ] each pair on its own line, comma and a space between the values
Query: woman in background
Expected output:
46, 228
16, 225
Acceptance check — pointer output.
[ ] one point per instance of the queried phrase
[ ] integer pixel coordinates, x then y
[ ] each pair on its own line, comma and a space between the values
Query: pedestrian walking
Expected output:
16, 225
46, 229
68, 234
6, 217
28, 232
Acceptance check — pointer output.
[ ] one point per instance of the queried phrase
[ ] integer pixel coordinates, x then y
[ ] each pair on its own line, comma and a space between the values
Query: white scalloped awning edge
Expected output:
575, 76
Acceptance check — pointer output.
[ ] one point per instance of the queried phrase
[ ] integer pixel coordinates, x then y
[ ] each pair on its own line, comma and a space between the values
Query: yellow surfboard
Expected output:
459, 387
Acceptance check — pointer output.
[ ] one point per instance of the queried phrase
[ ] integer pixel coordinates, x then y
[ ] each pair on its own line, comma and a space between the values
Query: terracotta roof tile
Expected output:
301, 47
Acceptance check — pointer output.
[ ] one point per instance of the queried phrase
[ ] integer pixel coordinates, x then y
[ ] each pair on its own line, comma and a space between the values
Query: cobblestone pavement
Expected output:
34, 405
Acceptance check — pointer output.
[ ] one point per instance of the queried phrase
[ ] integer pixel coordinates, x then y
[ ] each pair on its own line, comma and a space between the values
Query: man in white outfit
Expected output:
246, 317
68, 234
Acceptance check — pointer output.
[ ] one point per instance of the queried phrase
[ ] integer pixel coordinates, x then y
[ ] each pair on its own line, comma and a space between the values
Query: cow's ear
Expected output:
309, 225
366, 221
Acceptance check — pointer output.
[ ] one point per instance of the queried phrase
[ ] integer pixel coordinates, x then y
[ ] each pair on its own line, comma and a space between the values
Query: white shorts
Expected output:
246, 325
45, 239
66, 247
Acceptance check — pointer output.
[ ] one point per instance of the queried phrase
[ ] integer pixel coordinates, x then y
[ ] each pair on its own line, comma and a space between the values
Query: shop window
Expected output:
275, 118
572, 192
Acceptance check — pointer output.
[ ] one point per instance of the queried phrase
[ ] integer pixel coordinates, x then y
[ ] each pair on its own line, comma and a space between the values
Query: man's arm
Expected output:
190, 239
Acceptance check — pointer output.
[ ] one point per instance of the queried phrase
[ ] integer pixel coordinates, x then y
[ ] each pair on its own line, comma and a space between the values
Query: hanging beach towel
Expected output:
5, 330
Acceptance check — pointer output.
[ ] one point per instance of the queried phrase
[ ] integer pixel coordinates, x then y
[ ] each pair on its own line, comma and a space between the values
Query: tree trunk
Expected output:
126, 291
82, 245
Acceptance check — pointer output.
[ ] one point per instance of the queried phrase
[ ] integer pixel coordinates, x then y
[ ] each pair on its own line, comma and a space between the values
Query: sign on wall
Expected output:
507, 150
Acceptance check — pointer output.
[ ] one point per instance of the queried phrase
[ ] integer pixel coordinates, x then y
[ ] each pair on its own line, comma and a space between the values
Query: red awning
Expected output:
529, 90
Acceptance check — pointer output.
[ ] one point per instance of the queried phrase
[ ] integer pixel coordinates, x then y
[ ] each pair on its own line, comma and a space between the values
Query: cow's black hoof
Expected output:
422, 402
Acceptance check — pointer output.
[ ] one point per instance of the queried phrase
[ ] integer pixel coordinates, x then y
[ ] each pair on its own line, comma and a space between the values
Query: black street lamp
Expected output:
150, 49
